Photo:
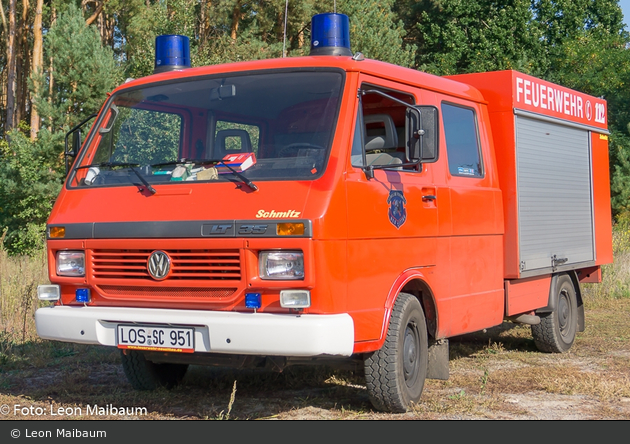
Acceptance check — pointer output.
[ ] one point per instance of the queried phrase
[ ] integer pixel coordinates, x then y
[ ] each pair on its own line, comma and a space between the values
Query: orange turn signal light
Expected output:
57, 232
290, 229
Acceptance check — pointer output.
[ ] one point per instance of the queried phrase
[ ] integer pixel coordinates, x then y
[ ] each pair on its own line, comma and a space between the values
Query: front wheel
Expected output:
395, 374
557, 330
147, 375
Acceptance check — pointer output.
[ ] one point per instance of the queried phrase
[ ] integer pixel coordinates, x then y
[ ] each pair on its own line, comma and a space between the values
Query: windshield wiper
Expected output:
143, 180
110, 165
131, 166
243, 179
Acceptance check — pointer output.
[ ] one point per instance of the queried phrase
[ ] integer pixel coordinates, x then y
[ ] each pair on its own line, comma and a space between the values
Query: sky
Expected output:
625, 8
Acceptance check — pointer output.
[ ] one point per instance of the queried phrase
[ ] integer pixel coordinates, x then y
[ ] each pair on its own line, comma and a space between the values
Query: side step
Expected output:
525, 319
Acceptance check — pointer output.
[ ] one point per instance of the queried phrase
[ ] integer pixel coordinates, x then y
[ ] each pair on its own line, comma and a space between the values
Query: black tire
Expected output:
395, 374
147, 375
557, 330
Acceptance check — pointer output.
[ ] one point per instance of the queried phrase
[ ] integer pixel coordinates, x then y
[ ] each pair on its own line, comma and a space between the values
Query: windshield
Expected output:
269, 126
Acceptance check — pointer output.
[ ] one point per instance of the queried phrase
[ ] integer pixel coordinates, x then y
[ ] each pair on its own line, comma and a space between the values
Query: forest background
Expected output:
59, 58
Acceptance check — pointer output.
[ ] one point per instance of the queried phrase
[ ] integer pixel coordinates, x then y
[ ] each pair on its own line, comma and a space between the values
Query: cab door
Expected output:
392, 216
473, 250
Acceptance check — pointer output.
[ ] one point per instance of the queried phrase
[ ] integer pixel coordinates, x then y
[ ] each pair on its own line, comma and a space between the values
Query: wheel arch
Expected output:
414, 282
553, 300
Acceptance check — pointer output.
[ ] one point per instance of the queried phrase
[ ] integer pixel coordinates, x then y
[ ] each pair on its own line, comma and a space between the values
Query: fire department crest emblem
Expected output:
397, 210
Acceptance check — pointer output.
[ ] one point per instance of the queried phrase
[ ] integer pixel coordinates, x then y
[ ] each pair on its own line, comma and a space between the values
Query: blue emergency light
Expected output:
252, 300
171, 52
330, 34
82, 295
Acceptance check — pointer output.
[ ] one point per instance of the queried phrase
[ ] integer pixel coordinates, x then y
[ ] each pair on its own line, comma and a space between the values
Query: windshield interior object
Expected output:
266, 126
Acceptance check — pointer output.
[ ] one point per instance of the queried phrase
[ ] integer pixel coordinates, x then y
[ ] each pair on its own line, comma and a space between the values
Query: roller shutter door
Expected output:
554, 194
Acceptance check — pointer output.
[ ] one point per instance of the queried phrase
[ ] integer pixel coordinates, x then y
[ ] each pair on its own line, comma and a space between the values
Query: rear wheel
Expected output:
147, 375
395, 374
557, 330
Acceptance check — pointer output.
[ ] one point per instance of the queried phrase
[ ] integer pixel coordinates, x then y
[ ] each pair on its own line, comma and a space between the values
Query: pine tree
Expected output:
84, 72
377, 32
31, 171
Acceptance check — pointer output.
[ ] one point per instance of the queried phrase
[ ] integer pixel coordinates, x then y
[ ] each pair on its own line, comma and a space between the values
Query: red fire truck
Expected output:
326, 208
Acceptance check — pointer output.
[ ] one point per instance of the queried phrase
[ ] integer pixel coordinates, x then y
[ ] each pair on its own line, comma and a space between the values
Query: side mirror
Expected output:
421, 134
75, 147
76, 142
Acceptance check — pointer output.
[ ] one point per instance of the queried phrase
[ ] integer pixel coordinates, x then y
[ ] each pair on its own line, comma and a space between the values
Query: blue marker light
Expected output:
171, 52
82, 295
330, 34
253, 300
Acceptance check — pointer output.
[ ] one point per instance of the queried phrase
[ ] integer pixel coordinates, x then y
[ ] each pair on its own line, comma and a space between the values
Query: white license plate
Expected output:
156, 338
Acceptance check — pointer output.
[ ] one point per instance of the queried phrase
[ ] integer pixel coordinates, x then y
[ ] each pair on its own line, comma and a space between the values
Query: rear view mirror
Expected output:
421, 134
223, 92
114, 113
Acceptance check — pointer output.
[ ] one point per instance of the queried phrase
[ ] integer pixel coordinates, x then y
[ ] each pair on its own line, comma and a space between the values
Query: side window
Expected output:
142, 136
383, 125
462, 141
357, 144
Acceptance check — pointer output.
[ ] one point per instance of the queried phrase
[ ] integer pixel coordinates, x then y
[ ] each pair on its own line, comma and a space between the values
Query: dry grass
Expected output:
19, 278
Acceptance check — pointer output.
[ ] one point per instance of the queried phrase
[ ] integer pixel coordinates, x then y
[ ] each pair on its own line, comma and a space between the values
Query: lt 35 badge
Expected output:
397, 211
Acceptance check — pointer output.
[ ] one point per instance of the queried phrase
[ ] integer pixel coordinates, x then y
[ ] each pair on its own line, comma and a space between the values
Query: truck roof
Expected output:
367, 66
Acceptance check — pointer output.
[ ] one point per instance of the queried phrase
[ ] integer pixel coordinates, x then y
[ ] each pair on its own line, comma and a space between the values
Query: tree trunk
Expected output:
97, 12
204, 24
236, 15
51, 70
4, 19
3, 86
11, 51
22, 65
37, 66
280, 25
106, 25
301, 36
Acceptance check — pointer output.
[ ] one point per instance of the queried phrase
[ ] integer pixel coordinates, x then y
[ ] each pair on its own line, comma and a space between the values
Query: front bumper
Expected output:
264, 334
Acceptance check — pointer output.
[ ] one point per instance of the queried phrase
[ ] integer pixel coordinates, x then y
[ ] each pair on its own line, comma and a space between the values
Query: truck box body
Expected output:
552, 158
386, 210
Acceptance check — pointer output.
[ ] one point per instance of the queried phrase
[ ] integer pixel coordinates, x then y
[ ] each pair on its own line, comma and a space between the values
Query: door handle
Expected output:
429, 197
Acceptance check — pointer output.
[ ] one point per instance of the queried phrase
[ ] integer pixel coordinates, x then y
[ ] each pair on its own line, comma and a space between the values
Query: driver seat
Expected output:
379, 139
222, 148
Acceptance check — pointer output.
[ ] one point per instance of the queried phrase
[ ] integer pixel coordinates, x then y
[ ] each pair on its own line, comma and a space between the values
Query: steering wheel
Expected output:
292, 149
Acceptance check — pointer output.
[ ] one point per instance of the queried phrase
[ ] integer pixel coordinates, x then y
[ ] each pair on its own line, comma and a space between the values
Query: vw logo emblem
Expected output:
159, 265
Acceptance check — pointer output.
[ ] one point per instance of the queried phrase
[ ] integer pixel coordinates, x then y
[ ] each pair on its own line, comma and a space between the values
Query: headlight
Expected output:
48, 292
281, 264
295, 298
70, 263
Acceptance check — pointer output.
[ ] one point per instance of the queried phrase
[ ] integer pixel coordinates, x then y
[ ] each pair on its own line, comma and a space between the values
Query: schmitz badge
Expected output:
397, 211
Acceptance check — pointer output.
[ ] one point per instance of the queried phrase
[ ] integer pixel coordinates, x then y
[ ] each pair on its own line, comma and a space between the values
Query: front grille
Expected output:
198, 265
176, 292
